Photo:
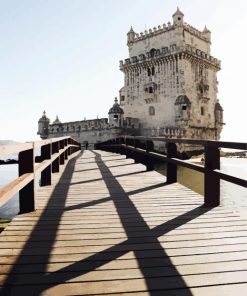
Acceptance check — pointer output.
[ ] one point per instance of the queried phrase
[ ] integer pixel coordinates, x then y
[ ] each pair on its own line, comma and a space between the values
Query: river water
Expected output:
232, 196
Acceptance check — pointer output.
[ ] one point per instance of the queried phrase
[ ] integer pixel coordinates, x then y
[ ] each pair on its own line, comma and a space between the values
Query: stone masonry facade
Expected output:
170, 89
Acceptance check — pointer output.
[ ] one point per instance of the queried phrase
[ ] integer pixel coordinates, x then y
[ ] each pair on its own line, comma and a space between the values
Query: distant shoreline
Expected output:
8, 161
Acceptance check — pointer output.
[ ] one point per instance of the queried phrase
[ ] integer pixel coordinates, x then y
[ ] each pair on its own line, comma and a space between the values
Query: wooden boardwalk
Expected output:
108, 227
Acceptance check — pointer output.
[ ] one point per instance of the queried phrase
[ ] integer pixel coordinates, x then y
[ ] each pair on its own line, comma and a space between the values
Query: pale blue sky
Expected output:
63, 56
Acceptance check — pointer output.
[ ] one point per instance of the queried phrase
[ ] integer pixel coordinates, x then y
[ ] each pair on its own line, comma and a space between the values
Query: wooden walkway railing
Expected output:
138, 146
54, 152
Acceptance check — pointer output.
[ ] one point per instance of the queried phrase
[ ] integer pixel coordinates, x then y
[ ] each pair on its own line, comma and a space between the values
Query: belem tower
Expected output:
170, 89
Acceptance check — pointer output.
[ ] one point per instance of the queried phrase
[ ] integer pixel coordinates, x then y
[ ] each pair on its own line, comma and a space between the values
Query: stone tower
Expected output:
43, 126
170, 81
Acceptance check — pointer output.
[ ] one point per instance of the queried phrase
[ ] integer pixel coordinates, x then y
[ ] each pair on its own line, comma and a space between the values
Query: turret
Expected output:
56, 121
207, 34
43, 126
116, 115
178, 18
130, 36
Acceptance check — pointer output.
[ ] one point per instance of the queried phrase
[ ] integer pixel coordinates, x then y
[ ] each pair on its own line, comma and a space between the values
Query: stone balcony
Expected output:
167, 52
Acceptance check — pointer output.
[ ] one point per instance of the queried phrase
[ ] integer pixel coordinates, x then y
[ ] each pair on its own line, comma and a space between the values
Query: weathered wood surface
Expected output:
106, 227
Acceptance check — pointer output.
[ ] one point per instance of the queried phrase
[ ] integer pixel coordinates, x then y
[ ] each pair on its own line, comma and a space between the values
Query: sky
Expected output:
63, 56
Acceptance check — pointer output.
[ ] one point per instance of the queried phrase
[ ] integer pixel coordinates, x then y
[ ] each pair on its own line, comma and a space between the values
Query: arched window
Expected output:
153, 71
150, 90
201, 88
151, 110
152, 52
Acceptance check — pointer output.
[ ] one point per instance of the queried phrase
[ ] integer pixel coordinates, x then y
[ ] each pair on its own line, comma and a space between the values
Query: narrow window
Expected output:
151, 110
150, 90
153, 71
149, 72
202, 111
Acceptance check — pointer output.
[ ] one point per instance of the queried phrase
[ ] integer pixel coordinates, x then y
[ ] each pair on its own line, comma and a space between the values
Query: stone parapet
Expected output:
165, 54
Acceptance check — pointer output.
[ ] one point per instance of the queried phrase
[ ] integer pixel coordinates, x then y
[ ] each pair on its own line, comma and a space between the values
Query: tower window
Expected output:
151, 110
150, 90
115, 117
179, 18
122, 98
184, 107
152, 52
202, 111
153, 71
149, 72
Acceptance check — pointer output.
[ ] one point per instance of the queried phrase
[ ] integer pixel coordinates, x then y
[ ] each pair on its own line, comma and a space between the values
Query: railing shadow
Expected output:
148, 245
51, 234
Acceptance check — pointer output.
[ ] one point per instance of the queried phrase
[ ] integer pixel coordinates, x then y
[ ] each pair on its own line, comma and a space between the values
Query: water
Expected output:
8, 173
231, 195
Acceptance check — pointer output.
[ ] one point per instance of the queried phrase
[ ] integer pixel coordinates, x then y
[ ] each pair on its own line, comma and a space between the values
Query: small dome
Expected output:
206, 30
131, 30
178, 13
182, 100
116, 108
44, 118
56, 121
218, 107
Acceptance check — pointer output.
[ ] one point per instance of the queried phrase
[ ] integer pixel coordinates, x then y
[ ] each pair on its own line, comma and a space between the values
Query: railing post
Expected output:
27, 193
46, 173
127, 152
171, 172
149, 162
211, 182
66, 151
55, 164
61, 157
69, 149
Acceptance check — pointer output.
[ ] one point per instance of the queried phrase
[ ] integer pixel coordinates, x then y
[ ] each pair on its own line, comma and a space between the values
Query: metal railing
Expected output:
135, 146
54, 152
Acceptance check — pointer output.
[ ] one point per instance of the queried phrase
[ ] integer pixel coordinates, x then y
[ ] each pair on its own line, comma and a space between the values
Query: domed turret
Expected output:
43, 127
131, 36
178, 18
56, 121
206, 33
116, 114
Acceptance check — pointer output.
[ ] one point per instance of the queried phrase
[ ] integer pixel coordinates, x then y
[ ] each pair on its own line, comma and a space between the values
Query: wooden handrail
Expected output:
54, 152
212, 173
211, 143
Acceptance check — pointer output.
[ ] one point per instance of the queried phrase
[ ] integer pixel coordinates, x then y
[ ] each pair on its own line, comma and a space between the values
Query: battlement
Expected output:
169, 52
153, 32
160, 29
196, 32
78, 125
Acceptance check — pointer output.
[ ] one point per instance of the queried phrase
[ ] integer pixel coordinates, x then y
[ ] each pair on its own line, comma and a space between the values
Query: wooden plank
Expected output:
134, 285
105, 226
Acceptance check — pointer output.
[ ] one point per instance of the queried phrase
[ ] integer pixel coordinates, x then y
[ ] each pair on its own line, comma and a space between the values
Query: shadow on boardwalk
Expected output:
148, 242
